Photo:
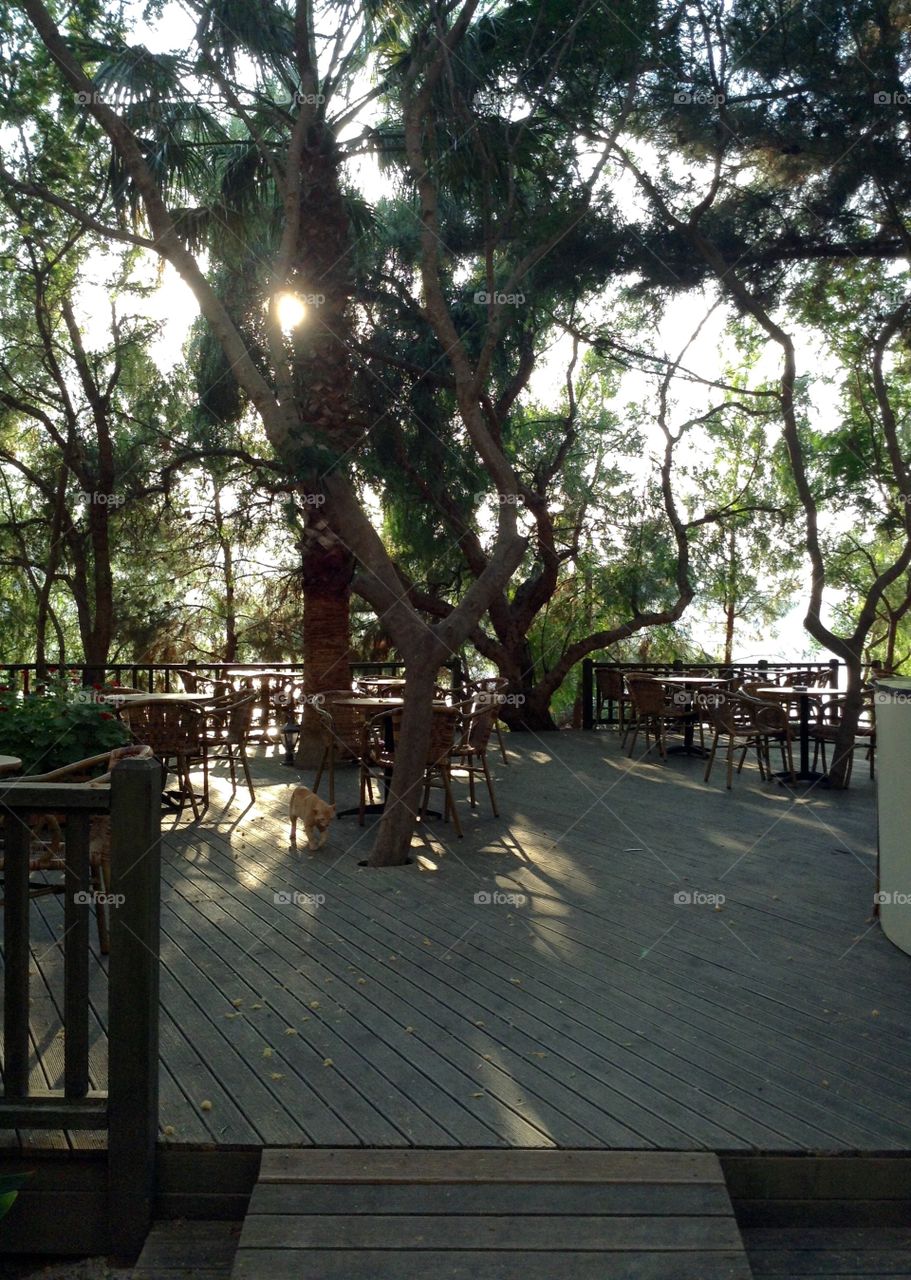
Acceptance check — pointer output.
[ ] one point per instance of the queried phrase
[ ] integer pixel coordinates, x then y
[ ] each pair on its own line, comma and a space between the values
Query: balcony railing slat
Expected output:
133, 986
17, 841
76, 956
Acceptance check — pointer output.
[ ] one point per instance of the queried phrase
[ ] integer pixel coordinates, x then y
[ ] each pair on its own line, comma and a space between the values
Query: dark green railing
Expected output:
127, 1110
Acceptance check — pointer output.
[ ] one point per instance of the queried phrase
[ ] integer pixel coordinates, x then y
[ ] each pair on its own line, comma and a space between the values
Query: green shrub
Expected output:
56, 727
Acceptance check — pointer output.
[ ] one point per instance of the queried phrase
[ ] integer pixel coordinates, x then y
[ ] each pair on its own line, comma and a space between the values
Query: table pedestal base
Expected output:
802, 775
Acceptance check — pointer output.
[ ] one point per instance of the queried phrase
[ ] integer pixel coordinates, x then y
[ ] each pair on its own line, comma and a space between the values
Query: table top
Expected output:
798, 691
384, 704
692, 680
138, 699
10, 764
264, 675
388, 681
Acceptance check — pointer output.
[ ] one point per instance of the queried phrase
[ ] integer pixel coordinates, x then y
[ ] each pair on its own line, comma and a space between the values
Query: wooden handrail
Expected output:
129, 1108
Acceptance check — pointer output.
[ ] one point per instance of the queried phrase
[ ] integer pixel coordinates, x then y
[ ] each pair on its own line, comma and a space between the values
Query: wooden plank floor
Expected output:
538, 984
489, 1215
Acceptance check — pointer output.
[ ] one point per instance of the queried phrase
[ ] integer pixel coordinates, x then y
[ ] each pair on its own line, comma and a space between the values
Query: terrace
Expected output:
594, 1011
627, 959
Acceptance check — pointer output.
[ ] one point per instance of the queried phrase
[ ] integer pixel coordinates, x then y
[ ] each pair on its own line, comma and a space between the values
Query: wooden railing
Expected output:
743, 671
128, 1109
163, 677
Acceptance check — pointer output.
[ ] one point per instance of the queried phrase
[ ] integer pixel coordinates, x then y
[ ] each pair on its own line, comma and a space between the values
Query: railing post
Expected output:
16, 956
833, 673
133, 1000
588, 705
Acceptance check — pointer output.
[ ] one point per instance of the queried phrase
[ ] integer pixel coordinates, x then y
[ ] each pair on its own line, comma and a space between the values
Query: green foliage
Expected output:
10, 1186
57, 727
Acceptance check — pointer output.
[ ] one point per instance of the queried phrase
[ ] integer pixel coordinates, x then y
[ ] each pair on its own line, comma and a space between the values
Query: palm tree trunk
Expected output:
326, 572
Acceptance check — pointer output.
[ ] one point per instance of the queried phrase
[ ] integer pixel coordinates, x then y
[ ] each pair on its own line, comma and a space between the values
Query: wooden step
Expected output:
489, 1215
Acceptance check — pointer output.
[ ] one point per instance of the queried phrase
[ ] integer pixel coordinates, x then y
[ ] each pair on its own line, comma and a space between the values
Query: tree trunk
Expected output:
327, 570
847, 730
227, 556
527, 708
393, 839
730, 618
730, 604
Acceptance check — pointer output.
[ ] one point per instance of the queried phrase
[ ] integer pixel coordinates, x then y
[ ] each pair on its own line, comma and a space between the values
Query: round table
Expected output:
10, 764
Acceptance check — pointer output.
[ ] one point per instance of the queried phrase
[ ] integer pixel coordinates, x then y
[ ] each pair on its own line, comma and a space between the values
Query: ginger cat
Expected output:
314, 813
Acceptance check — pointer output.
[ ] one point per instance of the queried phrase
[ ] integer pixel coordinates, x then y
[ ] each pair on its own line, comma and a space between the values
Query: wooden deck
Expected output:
401, 1008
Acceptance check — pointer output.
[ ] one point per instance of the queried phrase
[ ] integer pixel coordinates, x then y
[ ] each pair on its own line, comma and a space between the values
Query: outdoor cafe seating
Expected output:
784, 708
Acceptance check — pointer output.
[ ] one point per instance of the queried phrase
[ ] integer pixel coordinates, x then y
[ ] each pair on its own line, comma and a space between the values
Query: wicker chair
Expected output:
489, 687
771, 723
48, 852
825, 732
731, 717
227, 730
341, 729
176, 733
194, 683
469, 754
652, 713
609, 687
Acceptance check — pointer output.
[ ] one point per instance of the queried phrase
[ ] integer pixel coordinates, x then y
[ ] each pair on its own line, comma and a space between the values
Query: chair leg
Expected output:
319, 772
711, 760
186, 785
246, 767
444, 773
331, 773
499, 731
472, 797
489, 781
730, 761
635, 728
361, 802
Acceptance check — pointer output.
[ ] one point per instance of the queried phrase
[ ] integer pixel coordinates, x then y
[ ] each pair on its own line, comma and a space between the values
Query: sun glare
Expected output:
291, 311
